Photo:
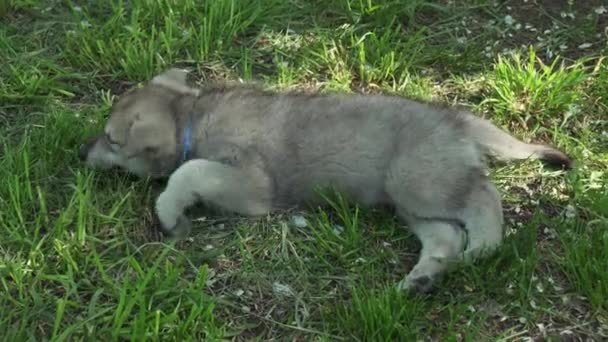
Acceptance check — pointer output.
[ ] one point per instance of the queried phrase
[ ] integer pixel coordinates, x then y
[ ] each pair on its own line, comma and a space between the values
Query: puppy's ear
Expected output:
174, 79
173, 75
149, 134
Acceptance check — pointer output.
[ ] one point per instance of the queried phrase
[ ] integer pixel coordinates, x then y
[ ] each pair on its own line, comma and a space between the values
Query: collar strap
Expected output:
187, 140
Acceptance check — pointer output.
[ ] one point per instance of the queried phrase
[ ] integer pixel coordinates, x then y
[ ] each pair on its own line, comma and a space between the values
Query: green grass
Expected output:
529, 90
80, 256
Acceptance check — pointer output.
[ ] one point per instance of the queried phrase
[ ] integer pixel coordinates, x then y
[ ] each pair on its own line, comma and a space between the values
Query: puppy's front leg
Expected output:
244, 191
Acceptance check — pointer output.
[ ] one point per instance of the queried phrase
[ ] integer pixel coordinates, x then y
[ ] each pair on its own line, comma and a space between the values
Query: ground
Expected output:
80, 256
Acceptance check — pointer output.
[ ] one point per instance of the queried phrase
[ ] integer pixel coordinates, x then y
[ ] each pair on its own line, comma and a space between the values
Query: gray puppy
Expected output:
251, 152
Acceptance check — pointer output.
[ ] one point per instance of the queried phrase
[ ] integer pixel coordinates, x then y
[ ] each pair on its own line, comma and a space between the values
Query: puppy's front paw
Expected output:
172, 221
180, 230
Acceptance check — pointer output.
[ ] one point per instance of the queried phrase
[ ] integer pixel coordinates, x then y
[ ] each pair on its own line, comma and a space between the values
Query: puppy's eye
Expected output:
109, 139
151, 150
113, 144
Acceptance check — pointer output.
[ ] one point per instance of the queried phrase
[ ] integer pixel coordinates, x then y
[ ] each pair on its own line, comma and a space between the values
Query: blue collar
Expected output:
187, 141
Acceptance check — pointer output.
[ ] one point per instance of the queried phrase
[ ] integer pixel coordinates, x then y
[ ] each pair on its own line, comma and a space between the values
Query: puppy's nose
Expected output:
83, 152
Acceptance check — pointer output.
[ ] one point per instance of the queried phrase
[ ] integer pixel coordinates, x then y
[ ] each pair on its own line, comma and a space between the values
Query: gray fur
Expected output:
256, 152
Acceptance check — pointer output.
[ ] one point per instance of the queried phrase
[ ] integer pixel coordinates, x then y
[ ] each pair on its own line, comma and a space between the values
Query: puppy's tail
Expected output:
506, 147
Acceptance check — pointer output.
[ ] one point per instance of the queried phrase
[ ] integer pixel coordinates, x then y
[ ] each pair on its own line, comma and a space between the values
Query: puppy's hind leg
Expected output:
244, 191
484, 220
430, 187
442, 243
477, 232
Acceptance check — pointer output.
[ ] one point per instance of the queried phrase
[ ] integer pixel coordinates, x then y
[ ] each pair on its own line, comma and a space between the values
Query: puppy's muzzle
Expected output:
83, 151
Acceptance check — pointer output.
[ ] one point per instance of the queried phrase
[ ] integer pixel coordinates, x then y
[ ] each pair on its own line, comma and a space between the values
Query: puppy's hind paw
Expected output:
419, 285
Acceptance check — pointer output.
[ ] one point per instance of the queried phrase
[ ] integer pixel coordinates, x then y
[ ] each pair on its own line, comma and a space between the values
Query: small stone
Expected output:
585, 46
338, 229
299, 221
570, 211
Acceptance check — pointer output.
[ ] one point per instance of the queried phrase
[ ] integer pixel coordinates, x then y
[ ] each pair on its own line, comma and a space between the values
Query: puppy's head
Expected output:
140, 135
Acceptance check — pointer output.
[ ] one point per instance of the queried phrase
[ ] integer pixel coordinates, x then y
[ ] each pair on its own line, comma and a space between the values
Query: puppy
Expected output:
252, 152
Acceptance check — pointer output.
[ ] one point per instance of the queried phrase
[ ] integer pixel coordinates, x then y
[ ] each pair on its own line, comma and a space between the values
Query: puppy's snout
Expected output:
83, 151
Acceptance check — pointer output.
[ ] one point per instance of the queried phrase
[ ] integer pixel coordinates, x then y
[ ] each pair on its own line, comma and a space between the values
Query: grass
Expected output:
80, 257
529, 89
